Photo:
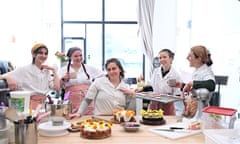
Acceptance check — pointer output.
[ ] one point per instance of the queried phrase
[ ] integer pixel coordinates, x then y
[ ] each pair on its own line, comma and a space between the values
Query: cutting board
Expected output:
172, 134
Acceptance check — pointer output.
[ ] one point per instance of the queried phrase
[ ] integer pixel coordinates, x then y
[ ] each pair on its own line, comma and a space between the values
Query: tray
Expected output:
164, 98
73, 129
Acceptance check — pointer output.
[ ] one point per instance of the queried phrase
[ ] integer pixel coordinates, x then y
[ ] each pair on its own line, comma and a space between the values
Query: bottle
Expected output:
237, 121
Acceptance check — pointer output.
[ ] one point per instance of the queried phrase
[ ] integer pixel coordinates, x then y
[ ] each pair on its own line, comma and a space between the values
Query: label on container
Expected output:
18, 104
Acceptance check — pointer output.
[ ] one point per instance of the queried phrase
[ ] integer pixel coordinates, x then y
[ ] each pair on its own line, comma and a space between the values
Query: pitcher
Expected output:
26, 131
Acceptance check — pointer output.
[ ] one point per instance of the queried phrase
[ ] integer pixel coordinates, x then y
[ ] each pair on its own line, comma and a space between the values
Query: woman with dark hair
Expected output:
159, 82
109, 92
36, 77
203, 76
76, 78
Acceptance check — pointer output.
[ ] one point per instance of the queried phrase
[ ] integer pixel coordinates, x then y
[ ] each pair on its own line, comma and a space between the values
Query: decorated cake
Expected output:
124, 116
152, 116
196, 125
95, 129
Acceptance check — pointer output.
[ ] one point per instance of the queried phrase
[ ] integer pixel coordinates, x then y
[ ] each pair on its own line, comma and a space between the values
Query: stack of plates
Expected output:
47, 129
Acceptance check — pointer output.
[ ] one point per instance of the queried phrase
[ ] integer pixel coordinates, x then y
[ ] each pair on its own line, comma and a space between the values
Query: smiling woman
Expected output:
45, 76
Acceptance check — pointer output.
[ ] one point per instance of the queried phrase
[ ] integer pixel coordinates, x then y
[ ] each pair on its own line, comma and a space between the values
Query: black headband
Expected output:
72, 50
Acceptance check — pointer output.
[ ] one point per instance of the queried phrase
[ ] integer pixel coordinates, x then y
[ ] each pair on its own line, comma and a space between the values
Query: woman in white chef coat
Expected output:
76, 77
203, 76
160, 82
109, 92
36, 77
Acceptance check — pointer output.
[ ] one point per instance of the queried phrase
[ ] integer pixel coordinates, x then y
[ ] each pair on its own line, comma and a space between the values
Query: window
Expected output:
109, 32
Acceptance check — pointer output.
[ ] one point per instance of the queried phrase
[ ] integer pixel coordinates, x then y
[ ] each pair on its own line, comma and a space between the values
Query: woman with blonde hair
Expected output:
203, 76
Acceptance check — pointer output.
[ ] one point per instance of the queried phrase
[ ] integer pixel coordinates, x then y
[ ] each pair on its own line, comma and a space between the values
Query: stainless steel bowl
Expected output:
61, 109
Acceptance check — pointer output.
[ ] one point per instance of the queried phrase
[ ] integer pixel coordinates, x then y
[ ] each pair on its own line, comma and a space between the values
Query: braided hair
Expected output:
69, 54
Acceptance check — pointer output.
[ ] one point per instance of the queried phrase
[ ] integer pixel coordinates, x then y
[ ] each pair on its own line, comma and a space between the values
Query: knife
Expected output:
173, 130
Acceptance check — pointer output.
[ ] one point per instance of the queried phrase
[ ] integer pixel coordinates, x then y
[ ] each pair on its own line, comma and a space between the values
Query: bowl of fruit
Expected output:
131, 126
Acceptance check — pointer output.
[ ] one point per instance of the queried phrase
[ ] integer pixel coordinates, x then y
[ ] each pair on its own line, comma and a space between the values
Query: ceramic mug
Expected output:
172, 82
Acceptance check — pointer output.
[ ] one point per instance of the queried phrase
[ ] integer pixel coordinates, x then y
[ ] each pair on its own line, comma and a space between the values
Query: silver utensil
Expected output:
173, 130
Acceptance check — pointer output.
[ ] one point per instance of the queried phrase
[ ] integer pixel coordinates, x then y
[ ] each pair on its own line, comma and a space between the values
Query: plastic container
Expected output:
20, 100
215, 117
222, 136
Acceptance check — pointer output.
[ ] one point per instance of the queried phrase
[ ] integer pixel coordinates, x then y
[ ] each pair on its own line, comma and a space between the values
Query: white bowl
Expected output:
131, 126
47, 129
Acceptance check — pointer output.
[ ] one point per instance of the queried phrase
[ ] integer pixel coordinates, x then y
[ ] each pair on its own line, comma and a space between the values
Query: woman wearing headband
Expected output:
36, 77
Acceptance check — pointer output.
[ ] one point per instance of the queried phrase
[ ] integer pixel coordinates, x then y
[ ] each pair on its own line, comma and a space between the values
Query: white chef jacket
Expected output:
81, 75
106, 97
160, 84
31, 78
203, 73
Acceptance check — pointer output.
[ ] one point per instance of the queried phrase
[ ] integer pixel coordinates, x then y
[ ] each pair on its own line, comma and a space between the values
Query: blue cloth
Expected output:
3, 67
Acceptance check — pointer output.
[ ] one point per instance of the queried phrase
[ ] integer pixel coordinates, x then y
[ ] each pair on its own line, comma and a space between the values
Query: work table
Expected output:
120, 136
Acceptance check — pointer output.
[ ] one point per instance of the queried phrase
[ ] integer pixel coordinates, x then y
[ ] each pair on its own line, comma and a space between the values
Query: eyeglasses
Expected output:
41, 53
113, 69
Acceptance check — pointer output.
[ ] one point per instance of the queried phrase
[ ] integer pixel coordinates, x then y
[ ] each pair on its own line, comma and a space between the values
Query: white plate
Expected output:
53, 133
47, 126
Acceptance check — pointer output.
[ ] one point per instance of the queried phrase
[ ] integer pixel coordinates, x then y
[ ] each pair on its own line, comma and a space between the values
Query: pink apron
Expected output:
77, 94
37, 99
168, 108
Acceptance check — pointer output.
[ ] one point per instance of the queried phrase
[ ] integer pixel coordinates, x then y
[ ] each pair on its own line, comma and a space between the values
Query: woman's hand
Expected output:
66, 77
130, 92
187, 88
139, 89
47, 67
11, 83
75, 115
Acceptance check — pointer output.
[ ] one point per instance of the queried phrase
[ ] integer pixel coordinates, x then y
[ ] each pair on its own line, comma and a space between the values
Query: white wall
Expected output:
26, 22
216, 25
164, 25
